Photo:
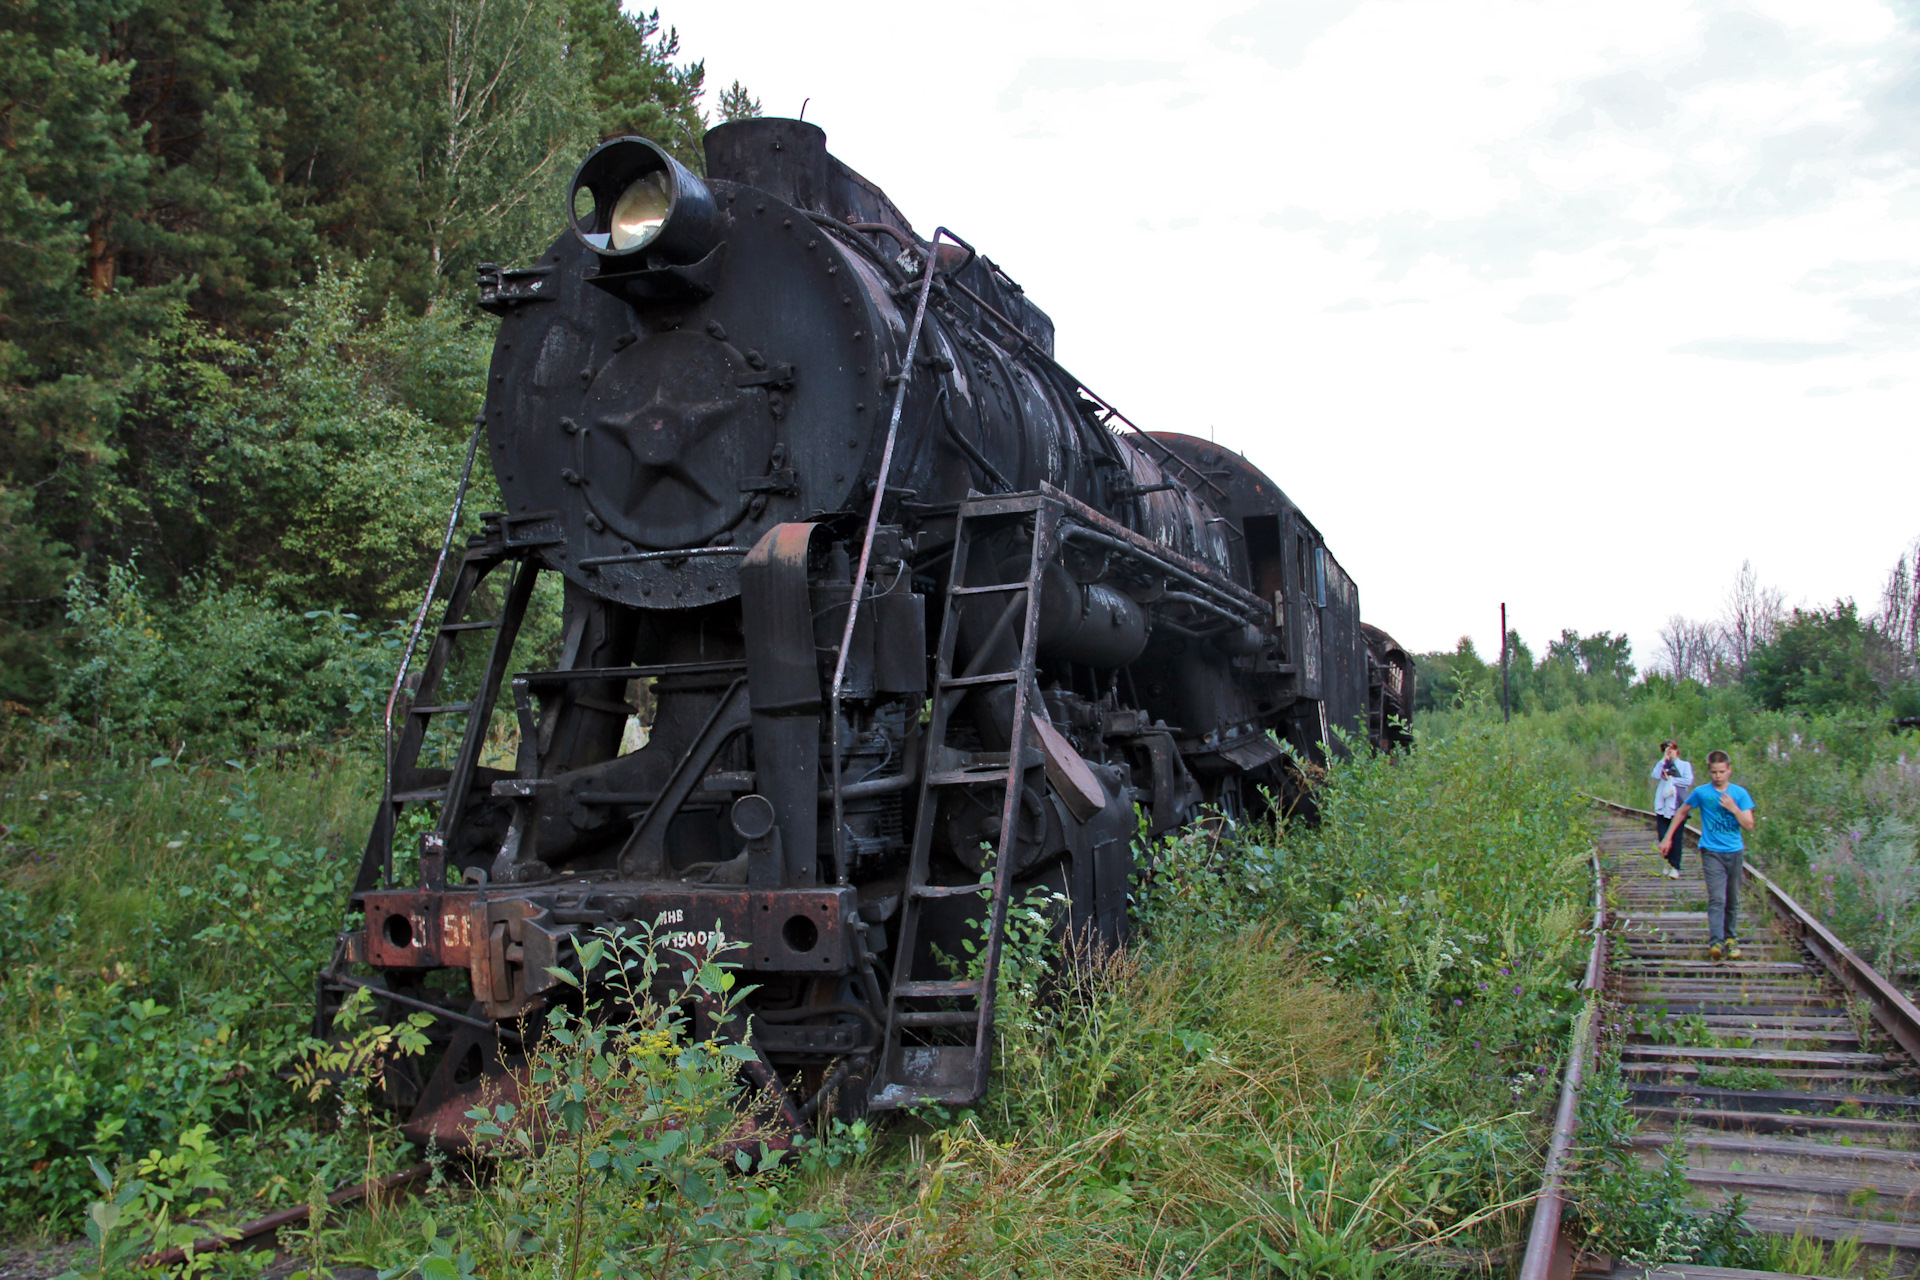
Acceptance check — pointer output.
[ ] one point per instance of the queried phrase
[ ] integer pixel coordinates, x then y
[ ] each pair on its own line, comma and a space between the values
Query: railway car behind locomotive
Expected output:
924, 623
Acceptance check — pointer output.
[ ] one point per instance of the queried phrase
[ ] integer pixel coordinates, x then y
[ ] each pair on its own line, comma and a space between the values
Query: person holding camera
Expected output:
1675, 779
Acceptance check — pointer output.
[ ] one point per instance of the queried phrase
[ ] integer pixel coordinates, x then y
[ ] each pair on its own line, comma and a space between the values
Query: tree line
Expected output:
1821, 659
237, 238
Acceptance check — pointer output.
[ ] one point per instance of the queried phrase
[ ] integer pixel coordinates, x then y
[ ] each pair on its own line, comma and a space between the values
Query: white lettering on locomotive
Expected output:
456, 929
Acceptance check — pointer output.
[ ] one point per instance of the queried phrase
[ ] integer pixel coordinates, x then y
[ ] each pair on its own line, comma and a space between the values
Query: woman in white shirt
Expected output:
1675, 777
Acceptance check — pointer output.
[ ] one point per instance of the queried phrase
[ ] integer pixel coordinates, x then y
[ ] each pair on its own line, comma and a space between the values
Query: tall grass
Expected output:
1328, 1052
1142, 1129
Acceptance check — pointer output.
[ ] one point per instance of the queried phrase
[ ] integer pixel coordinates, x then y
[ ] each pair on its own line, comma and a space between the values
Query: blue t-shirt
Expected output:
1720, 830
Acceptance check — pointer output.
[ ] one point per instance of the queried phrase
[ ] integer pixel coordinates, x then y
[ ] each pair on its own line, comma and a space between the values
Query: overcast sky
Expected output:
1573, 305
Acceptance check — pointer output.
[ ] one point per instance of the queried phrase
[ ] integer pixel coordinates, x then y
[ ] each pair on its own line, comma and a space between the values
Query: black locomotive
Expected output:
914, 611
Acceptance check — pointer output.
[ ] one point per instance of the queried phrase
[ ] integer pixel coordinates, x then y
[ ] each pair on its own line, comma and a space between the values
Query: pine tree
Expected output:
174, 176
737, 104
635, 86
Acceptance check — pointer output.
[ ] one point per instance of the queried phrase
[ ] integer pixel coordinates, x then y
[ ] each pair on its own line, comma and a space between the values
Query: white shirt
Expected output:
1673, 791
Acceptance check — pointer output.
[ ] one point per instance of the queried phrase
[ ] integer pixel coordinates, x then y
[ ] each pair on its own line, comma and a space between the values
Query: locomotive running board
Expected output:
956, 1074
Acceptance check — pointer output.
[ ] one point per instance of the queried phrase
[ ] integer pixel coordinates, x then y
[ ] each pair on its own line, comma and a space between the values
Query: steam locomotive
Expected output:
922, 622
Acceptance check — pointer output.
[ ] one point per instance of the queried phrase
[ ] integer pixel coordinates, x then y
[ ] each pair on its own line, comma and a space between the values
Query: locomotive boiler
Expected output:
922, 623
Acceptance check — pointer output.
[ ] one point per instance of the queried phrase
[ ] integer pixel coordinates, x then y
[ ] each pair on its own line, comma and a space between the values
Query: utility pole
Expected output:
1506, 695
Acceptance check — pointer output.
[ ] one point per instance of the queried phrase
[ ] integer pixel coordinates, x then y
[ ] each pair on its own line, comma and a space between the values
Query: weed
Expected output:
624, 1153
1692, 1031
1643, 1215
1326, 1053
165, 926
1737, 1078
1804, 1255
159, 1207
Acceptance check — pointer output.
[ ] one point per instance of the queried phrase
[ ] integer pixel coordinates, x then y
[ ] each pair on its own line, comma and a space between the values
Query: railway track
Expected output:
1792, 1074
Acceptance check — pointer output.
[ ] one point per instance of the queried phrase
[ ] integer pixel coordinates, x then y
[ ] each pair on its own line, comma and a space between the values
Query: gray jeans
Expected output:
1722, 871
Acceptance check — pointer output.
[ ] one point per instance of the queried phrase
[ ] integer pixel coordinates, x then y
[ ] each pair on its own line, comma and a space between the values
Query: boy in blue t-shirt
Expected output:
1726, 814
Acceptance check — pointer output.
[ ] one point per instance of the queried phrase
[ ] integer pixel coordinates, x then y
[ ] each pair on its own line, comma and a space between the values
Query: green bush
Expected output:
1818, 661
627, 1152
214, 671
1865, 885
1451, 879
1310, 1062
161, 941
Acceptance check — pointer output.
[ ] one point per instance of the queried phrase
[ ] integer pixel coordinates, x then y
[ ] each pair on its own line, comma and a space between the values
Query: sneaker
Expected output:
1673, 873
1715, 954
1733, 949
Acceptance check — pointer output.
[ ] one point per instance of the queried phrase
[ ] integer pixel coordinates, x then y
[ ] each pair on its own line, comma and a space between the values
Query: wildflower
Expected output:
1516, 990
1458, 1000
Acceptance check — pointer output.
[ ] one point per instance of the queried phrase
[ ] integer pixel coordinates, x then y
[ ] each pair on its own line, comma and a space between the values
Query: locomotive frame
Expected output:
901, 676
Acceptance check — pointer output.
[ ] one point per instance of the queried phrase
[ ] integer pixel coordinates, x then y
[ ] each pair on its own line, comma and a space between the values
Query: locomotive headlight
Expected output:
630, 197
640, 213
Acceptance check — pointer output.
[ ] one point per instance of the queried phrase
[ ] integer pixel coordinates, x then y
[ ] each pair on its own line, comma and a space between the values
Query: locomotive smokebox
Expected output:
631, 202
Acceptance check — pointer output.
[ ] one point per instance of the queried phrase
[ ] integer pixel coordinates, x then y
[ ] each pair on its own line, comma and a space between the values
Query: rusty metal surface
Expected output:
456, 928
1543, 1239
254, 1234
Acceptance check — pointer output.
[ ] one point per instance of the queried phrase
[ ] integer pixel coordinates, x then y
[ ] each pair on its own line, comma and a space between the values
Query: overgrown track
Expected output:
1785, 1070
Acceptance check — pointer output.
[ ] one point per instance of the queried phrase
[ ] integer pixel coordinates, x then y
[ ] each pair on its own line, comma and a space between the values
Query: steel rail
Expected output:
1544, 1238
1892, 1012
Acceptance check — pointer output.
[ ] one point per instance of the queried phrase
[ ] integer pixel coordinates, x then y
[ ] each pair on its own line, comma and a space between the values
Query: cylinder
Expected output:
1095, 625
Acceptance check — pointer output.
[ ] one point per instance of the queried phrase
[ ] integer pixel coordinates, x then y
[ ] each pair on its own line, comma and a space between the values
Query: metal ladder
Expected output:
484, 555
909, 1074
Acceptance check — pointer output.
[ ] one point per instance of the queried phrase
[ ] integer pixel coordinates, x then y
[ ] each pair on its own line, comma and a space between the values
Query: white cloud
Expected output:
1632, 226
1281, 31
1763, 350
1053, 75
1542, 308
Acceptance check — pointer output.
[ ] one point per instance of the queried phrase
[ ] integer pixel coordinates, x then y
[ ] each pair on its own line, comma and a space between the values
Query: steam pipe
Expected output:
1225, 603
